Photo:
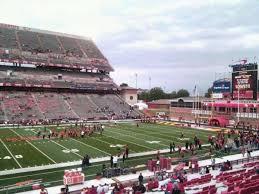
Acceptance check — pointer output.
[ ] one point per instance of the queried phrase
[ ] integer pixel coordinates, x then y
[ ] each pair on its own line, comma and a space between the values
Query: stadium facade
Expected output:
234, 101
51, 76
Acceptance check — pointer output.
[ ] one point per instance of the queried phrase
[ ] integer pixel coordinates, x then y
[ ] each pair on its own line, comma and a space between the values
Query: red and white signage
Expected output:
73, 177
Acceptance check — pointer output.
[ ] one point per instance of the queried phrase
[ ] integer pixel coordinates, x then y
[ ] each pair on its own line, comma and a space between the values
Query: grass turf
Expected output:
146, 137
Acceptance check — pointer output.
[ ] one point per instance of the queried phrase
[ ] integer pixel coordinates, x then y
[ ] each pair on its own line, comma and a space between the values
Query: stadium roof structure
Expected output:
22, 45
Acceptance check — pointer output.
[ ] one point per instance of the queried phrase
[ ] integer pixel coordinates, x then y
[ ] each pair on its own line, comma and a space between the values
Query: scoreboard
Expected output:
244, 81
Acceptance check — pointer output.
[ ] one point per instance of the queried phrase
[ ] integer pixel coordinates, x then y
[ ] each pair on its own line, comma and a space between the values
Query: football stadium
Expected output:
67, 127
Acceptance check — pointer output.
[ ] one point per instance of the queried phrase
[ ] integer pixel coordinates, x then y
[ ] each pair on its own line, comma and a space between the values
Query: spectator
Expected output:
213, 162
243, 151
93, 190
66, 189
106, 187
115, 161
141, 188
134, 188
176, 189
140, 178
207, 170
100, 189
115, 189
43, 191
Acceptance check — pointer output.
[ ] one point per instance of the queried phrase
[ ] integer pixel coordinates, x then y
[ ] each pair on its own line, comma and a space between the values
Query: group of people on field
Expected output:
189, 146
70, 132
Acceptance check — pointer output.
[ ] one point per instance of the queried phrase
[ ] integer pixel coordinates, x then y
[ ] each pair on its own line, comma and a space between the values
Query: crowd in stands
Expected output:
35, 107
25, 77
45, 48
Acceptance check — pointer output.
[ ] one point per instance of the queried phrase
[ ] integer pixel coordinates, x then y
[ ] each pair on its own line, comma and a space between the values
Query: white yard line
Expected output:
109, 143
35, 147
11, 153
106, 153
152, 132
143, 146
66, 148
140, 138
63, 147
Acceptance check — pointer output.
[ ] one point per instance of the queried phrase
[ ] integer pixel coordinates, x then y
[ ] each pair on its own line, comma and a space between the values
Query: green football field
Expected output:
38, 152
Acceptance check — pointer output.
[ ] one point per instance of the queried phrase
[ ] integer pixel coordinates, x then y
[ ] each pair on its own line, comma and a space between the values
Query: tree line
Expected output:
158, 93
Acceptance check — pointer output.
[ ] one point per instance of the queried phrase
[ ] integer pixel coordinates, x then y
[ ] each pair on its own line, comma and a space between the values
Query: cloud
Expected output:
177, 43
250, 40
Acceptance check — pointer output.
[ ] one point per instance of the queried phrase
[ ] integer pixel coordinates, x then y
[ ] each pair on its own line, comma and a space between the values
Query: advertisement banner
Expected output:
217, 95
221, 86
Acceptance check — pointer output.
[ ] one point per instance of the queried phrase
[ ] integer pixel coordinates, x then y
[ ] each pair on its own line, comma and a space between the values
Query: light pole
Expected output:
238, 104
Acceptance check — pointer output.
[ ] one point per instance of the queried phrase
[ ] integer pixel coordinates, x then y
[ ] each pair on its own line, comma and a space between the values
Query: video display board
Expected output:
244, 84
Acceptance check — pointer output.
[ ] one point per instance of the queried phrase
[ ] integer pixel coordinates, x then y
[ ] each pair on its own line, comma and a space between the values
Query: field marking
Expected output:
152, 132
173, 129
143, 146
163, 133
10, 153
91, 146
140, 138
35, 147
189, 130
67, 149
109, 143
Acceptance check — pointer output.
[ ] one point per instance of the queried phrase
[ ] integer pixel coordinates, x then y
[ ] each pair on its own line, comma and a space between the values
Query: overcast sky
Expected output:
178, 44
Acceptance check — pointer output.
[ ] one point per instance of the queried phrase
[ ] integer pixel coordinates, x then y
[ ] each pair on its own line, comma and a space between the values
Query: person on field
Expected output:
158, 155
111, 161
82, 134
115, 161
186, 145
171, 148
127, 151
123, 157
243, 151
39, 133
